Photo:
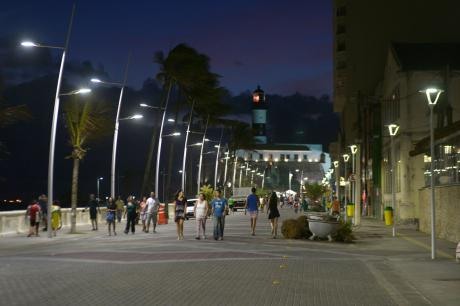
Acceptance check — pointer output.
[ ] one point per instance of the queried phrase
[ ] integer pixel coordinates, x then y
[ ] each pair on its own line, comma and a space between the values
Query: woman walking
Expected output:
111, 212
201, 213
180, 205
143, 212
131, 215
56, 221
273, 214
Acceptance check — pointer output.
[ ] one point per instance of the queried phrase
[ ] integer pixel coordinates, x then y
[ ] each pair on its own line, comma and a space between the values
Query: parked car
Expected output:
189, 211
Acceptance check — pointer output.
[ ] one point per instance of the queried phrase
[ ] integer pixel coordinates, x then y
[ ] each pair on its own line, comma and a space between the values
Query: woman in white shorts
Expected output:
201, 213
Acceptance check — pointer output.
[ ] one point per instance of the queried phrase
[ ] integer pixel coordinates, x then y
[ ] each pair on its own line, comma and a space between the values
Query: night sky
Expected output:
283, 45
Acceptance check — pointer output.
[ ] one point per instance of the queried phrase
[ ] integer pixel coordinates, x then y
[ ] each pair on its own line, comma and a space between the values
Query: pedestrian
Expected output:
201, 213
152, 211
273, 213
56, 217
43, 203
143, 213
335, 207
33, 214
219, 206
130, 215
94, 209
180, 204
252, 203
120, 208
296, 206
111, 215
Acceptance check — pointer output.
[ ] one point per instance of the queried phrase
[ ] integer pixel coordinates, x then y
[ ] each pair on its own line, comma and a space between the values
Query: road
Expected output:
156, 269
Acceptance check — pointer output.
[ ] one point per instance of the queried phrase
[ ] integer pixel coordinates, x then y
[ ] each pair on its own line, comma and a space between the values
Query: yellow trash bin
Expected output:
350, 210
388, 214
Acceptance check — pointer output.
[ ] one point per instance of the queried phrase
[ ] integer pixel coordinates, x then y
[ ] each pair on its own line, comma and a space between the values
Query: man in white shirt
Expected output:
152, 211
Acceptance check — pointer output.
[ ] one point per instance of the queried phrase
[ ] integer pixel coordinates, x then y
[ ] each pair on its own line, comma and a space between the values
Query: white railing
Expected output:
16, 222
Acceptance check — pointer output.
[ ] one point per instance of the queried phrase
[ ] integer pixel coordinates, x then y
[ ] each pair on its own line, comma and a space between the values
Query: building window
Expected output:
341, 65
288, 156
446, 164
341, 11
305, 157
391, 107
261, 156
341, 29
296, 156
282, 156
341, 46
271, 156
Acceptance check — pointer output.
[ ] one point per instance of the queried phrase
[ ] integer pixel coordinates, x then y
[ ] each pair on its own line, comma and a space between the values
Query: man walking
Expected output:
43, 203
219, 206
120, 208
152, 211
252, 203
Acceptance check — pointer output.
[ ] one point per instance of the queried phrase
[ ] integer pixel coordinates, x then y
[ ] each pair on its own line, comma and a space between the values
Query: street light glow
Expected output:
197, 144
171, 120
28, 44
432, 91
393, 129
82, 91
336, 163
143, 105
176, 134
354, 149
137, 116
95, 80
101, 178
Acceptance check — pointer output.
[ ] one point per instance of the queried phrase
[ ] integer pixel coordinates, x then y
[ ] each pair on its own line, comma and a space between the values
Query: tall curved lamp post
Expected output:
117, 124
29, 44
354, 150
432, 96
393, 130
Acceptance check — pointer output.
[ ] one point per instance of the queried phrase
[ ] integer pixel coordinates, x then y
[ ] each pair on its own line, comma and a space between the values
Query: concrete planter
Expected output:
322, 228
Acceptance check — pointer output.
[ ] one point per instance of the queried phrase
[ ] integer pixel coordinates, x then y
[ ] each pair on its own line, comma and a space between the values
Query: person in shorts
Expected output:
152, 211
252, 206
33, 212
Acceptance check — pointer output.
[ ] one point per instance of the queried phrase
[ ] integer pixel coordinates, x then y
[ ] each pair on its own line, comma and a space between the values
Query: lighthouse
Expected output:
259, 116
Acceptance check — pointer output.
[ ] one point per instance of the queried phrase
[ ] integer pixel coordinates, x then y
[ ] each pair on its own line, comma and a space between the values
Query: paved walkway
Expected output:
156, 269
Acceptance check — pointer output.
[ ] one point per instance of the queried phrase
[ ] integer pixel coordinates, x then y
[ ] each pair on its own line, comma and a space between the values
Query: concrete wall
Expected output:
15, 222
447, 212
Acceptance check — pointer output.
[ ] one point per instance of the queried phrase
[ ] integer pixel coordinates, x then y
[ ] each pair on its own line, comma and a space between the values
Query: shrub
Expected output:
292, 229
303, 221
344, 233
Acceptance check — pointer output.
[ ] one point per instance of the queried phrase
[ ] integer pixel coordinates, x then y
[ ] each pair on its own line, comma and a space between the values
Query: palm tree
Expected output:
187, 69
86, 121
10, 115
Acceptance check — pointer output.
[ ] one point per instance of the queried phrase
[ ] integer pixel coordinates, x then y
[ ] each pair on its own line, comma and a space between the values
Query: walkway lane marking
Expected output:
425, 246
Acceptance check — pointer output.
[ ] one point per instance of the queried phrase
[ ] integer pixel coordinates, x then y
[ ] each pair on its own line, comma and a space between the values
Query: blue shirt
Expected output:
253, 202
218, 205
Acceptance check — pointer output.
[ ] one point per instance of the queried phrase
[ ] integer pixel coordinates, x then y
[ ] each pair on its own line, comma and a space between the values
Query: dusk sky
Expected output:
285, 46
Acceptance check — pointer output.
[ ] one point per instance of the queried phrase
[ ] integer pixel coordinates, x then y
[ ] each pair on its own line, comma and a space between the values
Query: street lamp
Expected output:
225, 172
337, 180
354, 150
201, 156
346, 158
29, 44
117, 124
393, 130
98, 180
431, 103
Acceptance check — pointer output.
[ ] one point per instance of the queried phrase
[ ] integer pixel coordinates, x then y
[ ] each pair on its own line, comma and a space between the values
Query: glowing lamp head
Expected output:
393, 129
83, 91
346, 157
28, 44
336, 163
353, 149
432, 95
96, 80
137, 116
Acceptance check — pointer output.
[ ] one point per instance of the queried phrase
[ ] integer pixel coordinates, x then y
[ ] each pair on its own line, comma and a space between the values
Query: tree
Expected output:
86, 121
11, 115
